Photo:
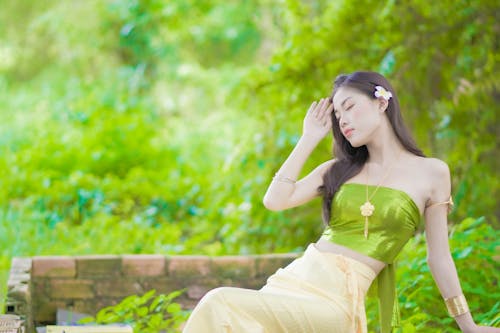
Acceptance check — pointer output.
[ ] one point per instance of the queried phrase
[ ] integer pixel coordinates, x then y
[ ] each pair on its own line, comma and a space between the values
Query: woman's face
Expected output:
358, 115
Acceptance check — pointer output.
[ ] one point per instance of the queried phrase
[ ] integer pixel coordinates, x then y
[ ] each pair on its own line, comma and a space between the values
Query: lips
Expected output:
348, 131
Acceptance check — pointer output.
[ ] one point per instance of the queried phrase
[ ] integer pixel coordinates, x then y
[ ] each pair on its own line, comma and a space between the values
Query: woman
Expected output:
374, 194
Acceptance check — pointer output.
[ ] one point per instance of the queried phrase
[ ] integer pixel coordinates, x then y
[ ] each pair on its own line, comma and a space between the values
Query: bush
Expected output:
148, 313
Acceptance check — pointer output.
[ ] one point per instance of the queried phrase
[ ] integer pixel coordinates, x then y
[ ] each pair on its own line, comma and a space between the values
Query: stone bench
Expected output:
38, 286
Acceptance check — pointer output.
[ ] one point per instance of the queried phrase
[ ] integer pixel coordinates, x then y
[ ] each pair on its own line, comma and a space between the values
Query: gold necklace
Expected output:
368, 208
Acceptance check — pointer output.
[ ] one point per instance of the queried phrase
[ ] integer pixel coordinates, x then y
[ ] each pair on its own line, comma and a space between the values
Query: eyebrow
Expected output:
342, 104
345, 100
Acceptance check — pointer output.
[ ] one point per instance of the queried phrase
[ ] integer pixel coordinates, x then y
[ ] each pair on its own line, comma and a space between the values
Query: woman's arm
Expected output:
438, 252
284, 191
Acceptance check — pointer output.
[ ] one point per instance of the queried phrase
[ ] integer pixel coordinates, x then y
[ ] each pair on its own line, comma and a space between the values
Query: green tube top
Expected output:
394, 221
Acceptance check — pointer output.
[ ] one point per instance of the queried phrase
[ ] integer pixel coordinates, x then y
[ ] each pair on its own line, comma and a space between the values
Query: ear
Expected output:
382, 104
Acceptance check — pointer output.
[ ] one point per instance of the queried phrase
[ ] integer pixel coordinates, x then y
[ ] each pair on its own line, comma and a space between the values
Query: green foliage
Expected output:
474, 245
148, 313
145, 126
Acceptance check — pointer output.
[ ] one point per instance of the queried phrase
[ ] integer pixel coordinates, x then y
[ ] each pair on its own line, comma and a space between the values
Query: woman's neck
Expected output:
386, 147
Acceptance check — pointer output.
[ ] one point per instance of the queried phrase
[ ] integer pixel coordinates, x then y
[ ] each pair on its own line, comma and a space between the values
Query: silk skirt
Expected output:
320, 292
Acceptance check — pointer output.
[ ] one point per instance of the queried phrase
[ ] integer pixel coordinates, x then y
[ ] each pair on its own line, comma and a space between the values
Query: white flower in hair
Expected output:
381, 92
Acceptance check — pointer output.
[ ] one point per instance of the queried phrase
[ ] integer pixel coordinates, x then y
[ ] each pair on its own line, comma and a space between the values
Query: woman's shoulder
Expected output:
434, 174
434, 168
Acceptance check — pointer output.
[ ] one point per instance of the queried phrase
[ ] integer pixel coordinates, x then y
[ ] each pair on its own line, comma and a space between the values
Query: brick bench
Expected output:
38, 286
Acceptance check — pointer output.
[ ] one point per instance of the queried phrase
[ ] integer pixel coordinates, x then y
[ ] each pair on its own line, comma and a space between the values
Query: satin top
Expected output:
394, 221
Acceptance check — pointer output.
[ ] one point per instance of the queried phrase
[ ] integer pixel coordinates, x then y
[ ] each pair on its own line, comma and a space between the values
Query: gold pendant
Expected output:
367, 209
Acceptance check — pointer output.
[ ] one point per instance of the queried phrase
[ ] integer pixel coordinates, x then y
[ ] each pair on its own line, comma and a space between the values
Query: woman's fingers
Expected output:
327, 117
329, 113
318, 121
318, 108
312, 107
326, 109
321, 111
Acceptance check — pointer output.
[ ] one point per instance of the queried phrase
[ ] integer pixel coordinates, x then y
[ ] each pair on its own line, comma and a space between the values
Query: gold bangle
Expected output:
283, 179
456, 305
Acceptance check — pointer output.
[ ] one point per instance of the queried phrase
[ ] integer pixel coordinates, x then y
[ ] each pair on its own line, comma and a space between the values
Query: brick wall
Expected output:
38, 286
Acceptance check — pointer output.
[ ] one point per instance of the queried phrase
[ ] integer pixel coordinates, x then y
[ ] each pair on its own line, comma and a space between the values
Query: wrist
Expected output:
310, 139
465, 322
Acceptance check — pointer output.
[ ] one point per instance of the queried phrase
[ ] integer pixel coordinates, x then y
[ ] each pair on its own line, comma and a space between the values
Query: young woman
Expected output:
374, 193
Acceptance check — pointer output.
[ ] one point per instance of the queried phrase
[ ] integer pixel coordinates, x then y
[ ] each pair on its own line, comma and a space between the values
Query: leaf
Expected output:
174, 308
147, 296
463, 253
387, 65
142, 311
155, 303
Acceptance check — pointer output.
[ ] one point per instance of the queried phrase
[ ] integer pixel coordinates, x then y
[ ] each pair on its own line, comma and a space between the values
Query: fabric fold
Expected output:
320, 292
388, 301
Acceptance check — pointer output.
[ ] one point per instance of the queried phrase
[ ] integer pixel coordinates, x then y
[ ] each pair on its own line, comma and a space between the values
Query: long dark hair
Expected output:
349, 159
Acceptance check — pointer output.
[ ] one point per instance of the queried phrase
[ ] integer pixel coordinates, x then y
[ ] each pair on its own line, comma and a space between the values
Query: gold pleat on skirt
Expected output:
320, 292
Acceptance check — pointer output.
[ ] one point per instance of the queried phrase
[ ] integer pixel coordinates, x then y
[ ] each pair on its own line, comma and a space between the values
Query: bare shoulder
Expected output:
429, 167
437, 178
436, 168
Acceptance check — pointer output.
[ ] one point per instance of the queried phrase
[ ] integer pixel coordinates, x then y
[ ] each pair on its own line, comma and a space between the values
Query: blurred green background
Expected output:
148, 126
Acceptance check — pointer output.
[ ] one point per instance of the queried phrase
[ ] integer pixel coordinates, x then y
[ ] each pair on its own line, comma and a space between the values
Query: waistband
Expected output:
358, 265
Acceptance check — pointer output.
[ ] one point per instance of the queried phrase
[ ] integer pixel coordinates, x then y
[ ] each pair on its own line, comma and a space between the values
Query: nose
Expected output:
342, 122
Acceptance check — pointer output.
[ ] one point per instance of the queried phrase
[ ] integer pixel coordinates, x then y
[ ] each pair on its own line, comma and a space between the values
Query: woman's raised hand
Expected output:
318, 120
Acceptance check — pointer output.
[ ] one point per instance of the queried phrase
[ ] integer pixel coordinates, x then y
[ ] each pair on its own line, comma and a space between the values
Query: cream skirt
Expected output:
320, 292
